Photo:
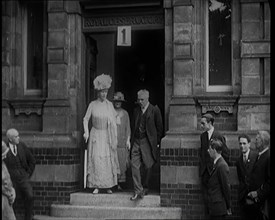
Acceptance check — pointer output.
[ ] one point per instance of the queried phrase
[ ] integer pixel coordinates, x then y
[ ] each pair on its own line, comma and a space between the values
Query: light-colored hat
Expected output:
5, 149
118, 97
102, 82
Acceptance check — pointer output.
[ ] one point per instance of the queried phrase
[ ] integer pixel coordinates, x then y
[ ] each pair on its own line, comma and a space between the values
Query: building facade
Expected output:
194, 56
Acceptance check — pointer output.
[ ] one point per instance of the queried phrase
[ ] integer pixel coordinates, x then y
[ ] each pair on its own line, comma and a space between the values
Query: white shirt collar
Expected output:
247, 153
218, 157
145, 108
210, 132
264, 150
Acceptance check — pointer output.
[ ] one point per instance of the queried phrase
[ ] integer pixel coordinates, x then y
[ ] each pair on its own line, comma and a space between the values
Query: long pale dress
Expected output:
102, 160
7, 192
123, 135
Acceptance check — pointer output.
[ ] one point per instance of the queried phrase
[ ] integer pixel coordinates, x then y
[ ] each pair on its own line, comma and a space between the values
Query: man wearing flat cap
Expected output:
206, 162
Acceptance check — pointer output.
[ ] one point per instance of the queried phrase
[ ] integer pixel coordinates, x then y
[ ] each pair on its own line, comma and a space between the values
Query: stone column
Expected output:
57, 106
254, 104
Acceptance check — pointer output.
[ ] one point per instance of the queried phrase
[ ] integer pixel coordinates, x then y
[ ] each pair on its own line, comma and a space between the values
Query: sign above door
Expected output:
124, 36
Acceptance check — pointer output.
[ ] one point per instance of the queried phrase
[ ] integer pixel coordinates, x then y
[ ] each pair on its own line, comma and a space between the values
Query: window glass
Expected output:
34, 45
219, 33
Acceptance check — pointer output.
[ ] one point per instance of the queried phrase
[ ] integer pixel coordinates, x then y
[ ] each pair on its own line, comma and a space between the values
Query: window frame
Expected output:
26, 91
215, 88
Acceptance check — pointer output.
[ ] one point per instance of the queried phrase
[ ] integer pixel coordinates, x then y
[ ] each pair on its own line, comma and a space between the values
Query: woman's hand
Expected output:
12, 197
86, 137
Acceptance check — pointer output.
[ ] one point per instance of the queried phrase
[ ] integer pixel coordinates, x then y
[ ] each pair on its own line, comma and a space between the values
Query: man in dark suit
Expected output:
219, 204
206, 162
20, 163
147, 129
244, 167
259, 187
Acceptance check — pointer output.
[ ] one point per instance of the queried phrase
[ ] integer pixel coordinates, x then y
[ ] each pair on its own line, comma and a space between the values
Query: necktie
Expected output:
14, 150
244, 158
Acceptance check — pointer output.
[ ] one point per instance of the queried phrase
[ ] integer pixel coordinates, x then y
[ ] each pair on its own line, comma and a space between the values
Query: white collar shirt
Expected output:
13, 148
145, 108
210, 132
218, 157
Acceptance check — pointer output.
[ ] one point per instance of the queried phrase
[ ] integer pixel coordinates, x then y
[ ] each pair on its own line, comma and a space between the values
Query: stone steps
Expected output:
84, 206
121, 199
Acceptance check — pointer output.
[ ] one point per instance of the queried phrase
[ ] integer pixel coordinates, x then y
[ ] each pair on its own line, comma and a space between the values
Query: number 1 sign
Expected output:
124, 36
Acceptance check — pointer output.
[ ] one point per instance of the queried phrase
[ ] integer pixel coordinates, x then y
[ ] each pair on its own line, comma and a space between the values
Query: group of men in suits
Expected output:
253, 170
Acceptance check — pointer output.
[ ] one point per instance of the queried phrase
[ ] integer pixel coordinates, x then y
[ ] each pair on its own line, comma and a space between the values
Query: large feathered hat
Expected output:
102, 81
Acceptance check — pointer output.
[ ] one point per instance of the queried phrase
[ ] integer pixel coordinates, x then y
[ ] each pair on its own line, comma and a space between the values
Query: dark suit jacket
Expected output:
244, 173
219, 189
260, 177
154, 127
25, 156
206, 162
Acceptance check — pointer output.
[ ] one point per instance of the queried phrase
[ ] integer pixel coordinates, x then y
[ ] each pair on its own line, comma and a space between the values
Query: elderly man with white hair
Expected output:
147, 129
20, 163
259, 188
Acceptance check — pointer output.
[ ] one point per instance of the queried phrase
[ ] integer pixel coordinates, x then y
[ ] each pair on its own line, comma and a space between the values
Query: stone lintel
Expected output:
254, 99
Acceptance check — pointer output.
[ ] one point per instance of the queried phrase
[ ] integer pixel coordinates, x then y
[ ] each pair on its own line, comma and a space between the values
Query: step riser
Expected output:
118, 201
116, 213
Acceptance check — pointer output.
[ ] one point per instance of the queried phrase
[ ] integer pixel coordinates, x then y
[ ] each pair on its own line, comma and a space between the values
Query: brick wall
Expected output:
180, 182
50, 192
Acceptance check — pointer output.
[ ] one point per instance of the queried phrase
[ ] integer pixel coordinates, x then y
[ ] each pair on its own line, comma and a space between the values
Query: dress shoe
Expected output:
136, 197
109, 191
96, 191
146, 191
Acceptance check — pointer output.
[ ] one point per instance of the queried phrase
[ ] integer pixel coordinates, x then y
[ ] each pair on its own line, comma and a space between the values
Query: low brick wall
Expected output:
180, 182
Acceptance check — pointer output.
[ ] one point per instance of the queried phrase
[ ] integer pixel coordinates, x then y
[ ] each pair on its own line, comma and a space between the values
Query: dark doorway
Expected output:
141, 66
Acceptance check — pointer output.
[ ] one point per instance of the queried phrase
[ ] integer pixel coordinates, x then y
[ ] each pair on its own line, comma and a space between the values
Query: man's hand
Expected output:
253, 195
158, 146
229, 212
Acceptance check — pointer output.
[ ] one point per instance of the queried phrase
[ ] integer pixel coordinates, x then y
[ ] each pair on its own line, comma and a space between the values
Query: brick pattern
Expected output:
56, 156
189, 157
45, 194
189, 198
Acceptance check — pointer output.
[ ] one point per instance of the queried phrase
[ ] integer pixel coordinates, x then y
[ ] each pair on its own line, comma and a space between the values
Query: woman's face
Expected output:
117, 105
102, 94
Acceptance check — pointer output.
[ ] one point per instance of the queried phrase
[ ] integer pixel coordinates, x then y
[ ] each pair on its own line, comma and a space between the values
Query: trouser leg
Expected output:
26, 190
135, 166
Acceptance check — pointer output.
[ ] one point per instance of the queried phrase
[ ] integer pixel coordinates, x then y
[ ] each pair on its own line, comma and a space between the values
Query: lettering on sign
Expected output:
124, 36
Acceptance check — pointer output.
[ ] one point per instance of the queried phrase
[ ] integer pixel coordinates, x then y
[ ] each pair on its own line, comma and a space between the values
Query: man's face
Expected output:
205, 126
142, 100
244, 145
14, 138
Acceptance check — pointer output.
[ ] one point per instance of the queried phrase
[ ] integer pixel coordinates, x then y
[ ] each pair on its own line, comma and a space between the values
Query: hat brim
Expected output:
115, 100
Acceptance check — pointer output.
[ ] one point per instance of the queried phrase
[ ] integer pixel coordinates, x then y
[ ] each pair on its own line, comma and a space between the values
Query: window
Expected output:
218, 36
33, 47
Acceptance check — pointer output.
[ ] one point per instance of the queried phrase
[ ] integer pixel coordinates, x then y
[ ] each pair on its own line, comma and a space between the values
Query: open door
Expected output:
141, 66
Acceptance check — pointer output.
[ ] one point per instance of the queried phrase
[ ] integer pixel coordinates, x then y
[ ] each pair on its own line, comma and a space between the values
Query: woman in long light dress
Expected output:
8, 192
123, 137
102, 160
